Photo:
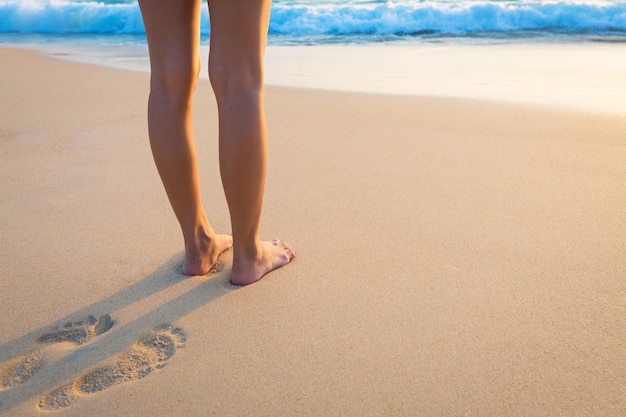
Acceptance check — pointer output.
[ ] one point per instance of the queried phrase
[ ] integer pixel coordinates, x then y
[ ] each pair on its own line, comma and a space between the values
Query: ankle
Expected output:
200, 239
248, 251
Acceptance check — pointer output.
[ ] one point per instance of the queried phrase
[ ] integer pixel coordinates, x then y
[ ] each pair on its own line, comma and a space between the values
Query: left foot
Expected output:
202, 257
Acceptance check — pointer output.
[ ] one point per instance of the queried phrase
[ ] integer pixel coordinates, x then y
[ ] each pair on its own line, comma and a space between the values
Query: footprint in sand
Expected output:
147, 355
23, 368
78, 332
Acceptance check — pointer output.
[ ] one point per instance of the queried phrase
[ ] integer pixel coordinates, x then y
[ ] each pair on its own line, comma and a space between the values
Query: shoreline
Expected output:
456, 257
550, 75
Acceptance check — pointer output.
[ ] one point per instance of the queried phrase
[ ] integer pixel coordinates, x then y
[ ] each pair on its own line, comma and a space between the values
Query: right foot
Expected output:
200, 260
271, 255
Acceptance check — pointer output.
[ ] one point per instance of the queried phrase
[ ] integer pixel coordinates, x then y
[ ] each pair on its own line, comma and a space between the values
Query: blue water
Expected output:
310, 22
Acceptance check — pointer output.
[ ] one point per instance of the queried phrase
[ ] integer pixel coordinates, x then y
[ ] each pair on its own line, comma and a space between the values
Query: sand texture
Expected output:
456, 258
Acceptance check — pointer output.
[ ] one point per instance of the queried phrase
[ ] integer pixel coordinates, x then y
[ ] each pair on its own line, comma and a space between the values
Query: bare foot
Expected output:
200, 258
271, 255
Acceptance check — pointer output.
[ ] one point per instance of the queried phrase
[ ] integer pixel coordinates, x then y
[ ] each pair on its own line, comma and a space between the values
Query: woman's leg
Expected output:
238, 36
173, 31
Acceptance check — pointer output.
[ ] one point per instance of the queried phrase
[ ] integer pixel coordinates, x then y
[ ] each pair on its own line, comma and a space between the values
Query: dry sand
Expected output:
457, 258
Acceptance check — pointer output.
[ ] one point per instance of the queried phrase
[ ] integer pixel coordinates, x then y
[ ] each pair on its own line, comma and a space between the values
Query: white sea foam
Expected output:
457, 63
327, 21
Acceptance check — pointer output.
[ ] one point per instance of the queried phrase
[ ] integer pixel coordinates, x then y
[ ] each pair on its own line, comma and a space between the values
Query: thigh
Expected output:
238, 33
173, 34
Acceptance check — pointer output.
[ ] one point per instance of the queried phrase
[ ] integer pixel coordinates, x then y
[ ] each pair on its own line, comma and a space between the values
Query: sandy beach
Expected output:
456, 258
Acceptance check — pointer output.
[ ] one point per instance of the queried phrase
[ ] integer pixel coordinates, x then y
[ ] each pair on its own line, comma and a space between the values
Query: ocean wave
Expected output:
62, 17
300, 19
463, 18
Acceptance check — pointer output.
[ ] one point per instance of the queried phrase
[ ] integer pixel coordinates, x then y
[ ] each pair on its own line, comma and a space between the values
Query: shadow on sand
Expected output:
135, 349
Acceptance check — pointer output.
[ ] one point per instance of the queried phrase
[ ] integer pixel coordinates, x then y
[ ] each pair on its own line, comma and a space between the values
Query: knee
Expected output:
175, 79
227, 80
